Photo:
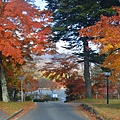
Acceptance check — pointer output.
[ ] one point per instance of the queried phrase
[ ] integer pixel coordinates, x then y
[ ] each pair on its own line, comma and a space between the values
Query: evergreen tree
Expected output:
71, 15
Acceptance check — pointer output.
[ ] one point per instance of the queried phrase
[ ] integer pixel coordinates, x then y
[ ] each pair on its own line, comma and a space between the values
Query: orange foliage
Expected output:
23, 30
77, 86
106, 34
61, 70
30, 86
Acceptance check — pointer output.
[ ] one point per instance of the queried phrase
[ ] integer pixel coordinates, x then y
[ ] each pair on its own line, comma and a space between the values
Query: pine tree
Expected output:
71, 15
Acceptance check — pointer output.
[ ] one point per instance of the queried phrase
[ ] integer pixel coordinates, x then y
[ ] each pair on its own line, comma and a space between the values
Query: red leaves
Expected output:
23, 28
77, 85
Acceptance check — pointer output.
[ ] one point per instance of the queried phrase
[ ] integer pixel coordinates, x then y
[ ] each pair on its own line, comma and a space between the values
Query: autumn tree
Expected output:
53, 86
30, 82
71, 15
43, 83
47, 84
13, 78
106, 36
61, 69
24, 30
99, 87
75, 87
117, 86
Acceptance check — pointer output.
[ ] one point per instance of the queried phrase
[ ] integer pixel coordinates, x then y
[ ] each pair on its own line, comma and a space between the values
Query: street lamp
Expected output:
107, 74
21, 79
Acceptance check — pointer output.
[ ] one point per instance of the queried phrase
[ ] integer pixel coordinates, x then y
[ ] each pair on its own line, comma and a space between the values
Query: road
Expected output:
2, 115
52, 111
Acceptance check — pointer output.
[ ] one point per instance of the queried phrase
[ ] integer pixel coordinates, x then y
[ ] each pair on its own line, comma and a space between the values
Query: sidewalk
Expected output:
2, 115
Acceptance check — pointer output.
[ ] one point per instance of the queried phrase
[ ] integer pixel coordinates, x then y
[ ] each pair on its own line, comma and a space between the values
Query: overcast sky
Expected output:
40, 3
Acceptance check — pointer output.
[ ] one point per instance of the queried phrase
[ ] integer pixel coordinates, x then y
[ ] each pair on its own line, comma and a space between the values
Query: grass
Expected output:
13, 107
111, 110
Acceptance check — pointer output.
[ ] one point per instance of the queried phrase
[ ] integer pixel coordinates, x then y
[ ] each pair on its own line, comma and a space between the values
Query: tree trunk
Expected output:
0, 91
86, 69
118, 96
4, 87
5, 97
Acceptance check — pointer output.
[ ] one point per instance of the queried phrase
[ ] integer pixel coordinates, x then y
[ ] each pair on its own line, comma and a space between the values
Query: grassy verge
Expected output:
13, 107
111, 110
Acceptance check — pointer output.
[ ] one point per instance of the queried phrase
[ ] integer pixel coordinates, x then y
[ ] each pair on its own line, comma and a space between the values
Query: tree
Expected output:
71, 15
62, 70
59, 68
43, 83
106, 36
46, 83
13, 78
75, 87
24, 30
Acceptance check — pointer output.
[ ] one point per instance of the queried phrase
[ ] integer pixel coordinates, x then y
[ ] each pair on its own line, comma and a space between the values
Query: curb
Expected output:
15, 117
27, 111
14, 114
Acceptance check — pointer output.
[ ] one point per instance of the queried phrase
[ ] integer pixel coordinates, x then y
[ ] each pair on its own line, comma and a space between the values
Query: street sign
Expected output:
21, 77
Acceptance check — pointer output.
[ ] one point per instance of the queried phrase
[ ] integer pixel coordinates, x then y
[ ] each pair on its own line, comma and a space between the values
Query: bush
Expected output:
40, 100
53, 99
28, 98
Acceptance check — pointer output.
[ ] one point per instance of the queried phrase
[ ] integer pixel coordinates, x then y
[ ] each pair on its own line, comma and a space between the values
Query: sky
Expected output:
41, 3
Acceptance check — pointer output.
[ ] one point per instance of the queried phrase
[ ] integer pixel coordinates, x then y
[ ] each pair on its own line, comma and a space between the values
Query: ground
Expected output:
83, 113
23, 112
78, 110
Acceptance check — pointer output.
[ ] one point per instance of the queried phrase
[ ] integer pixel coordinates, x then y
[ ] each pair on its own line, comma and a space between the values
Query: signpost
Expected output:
21, 79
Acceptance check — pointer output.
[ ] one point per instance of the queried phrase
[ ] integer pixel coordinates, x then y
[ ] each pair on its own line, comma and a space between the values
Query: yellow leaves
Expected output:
106, 34
117, 45
107, 48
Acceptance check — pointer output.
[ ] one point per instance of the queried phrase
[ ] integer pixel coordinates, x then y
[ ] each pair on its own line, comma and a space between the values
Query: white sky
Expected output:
61, 49
41, 3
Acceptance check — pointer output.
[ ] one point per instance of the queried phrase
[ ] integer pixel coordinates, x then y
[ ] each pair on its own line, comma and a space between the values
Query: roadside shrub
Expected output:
53, 99
40, 100
28, 98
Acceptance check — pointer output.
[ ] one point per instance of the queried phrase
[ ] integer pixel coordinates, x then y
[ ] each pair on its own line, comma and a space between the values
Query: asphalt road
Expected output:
52, 111
2, 115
